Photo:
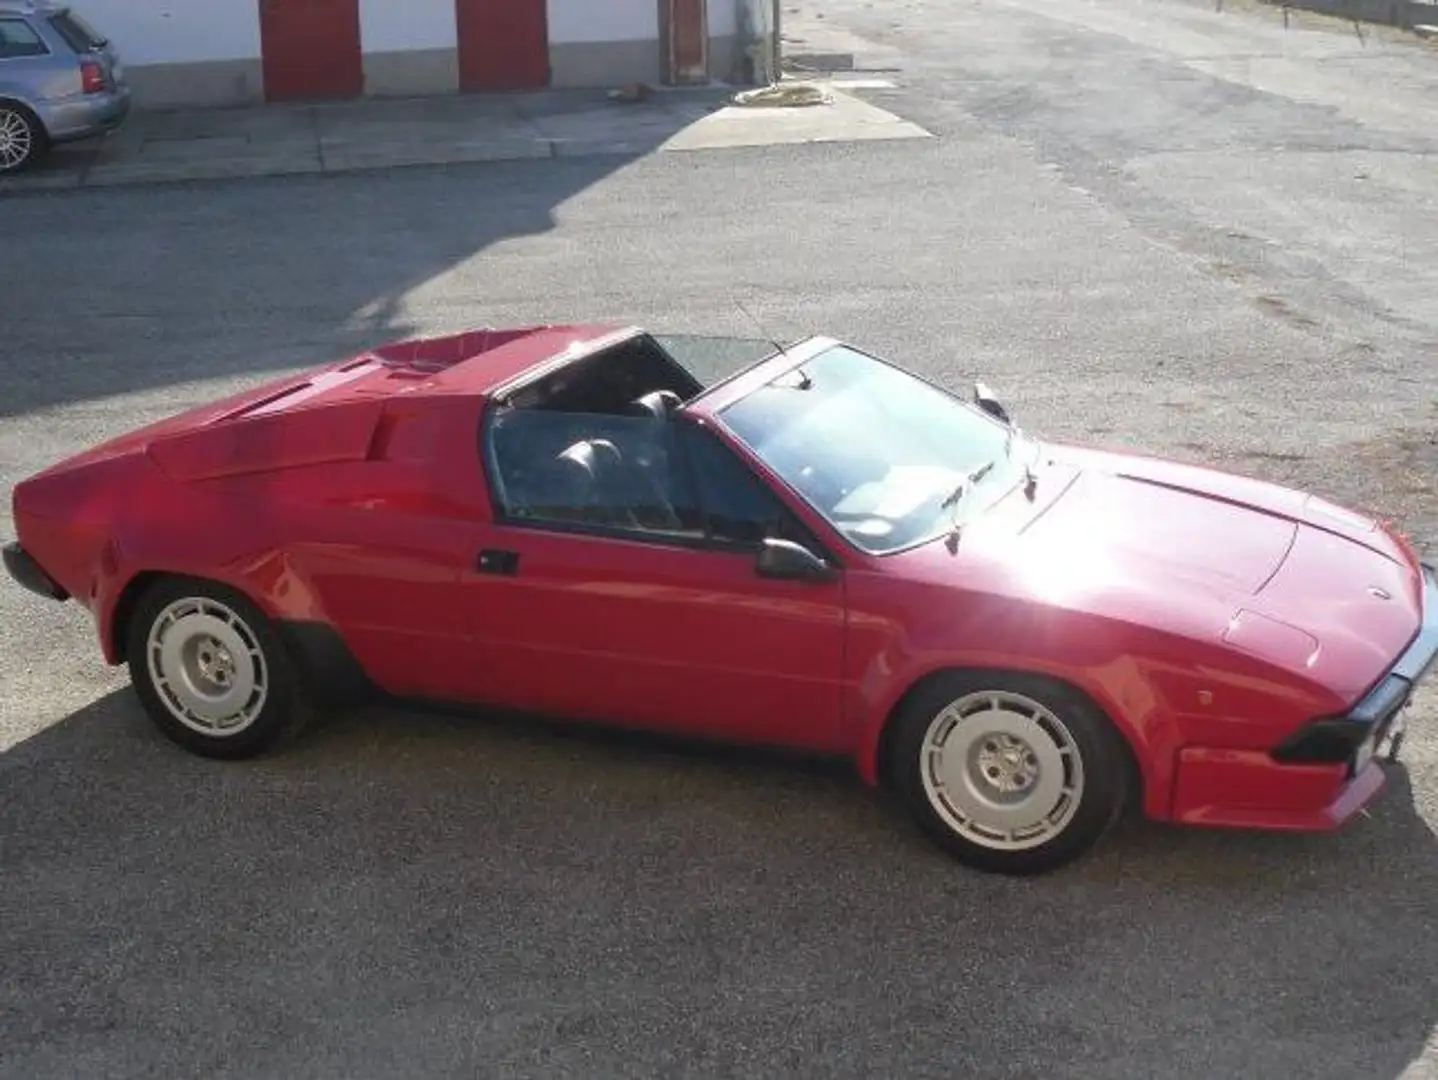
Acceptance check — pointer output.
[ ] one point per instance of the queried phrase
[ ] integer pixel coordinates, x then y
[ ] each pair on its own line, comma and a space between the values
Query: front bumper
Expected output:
1327, 771
1353, 739
28, 573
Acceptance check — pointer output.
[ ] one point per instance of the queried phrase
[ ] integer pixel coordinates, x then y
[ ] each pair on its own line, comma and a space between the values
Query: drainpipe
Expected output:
757, 18
776, 47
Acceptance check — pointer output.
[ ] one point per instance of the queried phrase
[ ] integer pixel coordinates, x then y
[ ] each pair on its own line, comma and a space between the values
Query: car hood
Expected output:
1279, 575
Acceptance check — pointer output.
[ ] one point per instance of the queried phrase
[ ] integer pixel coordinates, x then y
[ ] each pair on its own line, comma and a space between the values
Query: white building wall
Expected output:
582, 21
724, 17
599, 42
396, 25
184, 52
177, 31
410, 46
726, 49
208, 52
609, 43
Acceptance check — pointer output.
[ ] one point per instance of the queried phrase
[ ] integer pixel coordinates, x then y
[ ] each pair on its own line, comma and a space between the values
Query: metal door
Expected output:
311, 49
684, 31
503, 44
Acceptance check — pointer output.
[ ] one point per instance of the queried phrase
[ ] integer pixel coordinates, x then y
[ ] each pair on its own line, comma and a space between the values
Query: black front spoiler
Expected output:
1355, 736
28, 573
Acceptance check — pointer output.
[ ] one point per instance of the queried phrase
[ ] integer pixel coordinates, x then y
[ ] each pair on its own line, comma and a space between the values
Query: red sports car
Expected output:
819, 551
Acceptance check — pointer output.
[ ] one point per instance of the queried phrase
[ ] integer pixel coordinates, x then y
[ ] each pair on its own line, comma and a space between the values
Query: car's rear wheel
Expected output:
210, 670
22, 139
1008, 773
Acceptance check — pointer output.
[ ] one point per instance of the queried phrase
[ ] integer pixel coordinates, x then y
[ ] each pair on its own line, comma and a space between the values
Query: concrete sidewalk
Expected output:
282, 140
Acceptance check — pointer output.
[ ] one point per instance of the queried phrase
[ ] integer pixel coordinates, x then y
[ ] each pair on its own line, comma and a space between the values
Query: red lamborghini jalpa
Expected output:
819, 551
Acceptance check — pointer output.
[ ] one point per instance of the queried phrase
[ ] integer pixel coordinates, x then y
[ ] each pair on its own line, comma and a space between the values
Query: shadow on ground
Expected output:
408, 893
274, 274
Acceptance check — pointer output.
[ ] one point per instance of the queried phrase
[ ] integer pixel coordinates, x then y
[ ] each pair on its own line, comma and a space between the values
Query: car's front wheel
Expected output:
210, 670
1010, 774
22, 139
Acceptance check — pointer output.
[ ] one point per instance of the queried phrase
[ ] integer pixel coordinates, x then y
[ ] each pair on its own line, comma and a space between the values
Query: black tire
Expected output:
240, 629
1092, 740
22, 133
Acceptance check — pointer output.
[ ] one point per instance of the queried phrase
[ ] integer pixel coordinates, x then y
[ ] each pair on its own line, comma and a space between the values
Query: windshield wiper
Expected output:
1031, 481
966, 484
963, 487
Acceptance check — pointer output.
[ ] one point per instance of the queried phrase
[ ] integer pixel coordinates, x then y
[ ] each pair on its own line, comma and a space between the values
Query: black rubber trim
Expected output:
1418, 659
332, 675
1334, 740
28, 573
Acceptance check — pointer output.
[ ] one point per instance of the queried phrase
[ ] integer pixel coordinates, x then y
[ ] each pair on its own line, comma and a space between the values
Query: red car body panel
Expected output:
671, 639
1177, 654
356, 498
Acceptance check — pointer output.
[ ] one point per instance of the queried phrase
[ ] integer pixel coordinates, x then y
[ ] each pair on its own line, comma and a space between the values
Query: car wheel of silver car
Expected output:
1010, 774
210, 670
22, 139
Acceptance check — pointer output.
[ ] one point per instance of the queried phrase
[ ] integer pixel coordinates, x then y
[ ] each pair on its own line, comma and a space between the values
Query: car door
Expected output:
29, 72
661, 620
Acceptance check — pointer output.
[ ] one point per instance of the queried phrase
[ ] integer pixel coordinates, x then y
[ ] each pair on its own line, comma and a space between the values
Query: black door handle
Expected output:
495, 561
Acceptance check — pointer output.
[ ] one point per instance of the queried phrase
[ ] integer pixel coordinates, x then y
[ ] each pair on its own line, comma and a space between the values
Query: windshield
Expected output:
888, 459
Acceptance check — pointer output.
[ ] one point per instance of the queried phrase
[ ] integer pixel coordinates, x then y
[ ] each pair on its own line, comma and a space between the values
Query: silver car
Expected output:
60, 81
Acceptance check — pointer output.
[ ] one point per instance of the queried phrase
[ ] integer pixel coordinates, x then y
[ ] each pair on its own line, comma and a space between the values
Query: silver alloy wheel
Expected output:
16, 139
1001, 770
207, 667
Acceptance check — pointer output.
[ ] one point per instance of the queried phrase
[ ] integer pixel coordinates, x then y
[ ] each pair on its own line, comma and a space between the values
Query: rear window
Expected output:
78, 34
18, 39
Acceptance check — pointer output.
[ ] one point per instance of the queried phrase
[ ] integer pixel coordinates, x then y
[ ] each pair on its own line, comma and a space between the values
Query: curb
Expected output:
818, 61
338, 161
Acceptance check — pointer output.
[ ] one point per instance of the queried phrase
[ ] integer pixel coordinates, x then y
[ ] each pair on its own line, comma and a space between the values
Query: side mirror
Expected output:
984, 399
787, 560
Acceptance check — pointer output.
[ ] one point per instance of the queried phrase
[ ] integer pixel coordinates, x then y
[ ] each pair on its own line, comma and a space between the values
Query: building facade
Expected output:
230, 52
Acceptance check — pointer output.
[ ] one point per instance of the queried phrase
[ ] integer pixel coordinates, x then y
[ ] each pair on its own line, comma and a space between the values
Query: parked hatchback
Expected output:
60, 81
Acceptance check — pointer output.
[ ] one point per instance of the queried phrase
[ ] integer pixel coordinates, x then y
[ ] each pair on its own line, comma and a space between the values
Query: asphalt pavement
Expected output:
1143, 225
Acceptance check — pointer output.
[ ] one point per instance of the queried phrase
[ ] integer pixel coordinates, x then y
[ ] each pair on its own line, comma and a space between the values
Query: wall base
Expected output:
213, 83
592, 64
726, 58
412, 73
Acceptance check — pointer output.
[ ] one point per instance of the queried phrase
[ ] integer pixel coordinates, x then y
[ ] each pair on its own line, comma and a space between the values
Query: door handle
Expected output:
497, 561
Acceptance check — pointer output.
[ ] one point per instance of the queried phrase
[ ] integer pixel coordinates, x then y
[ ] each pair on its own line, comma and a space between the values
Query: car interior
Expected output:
591, 443
609, 381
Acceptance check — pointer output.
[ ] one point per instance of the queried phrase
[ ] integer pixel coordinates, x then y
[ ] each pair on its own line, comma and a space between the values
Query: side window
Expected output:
78, 34
18, 40
611, 473
734, 504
